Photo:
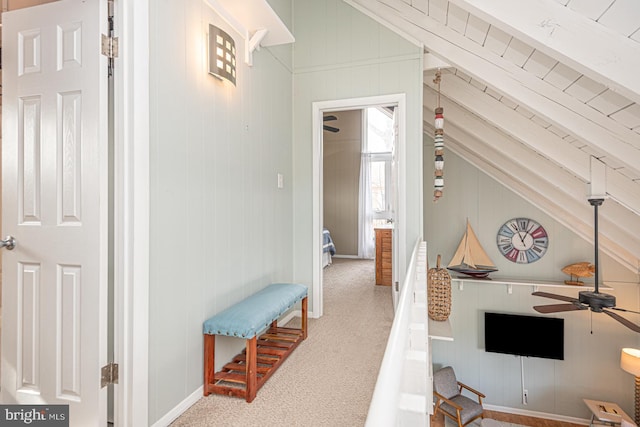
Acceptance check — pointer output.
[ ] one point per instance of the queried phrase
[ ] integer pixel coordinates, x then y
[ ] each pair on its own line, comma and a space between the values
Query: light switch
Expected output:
280, 181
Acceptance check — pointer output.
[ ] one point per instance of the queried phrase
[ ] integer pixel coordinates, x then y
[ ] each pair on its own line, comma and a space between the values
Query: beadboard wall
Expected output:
220, 227
341, 53
591, 368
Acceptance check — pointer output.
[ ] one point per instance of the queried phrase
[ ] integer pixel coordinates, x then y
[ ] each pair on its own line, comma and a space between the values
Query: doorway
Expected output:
357, 150
397, 101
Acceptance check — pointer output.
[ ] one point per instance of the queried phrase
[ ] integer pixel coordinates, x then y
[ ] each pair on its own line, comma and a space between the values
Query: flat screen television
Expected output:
521, 335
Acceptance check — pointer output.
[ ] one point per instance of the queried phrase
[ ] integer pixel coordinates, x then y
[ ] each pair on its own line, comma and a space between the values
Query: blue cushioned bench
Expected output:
248, 371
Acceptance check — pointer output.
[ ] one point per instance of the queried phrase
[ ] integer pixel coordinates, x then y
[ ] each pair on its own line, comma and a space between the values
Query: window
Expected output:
380, 183
379, 147
375, 176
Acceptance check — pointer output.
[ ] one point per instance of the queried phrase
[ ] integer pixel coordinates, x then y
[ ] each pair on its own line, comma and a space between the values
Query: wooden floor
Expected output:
438, 421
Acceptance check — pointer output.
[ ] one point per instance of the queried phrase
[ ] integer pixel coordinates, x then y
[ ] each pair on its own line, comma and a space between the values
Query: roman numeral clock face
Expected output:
522, 240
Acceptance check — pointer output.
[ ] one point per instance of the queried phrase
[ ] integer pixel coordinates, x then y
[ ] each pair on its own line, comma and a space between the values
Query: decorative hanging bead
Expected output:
438, 182
439, 141
439, 118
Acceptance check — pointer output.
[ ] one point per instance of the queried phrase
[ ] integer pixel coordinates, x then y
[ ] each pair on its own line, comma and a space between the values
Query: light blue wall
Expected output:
220, 227
591, 368
340, 53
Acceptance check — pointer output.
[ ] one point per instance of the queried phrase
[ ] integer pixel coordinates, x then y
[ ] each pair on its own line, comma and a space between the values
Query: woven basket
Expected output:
439, 292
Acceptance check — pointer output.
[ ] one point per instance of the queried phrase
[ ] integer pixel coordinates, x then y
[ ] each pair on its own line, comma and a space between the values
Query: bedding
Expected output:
328, 248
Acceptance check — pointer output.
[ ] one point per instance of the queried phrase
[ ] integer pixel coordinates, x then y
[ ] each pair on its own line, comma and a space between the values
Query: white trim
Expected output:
183, 406
349, 257
399, 99
180, 408
131, 194
400, 386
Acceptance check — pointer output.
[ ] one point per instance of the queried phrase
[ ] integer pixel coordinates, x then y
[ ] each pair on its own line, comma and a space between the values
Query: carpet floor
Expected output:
329, 379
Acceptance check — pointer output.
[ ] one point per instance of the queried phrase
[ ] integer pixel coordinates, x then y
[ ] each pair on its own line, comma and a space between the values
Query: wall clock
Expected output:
522, 240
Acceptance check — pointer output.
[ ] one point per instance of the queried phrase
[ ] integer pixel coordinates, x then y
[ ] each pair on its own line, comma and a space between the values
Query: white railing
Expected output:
403, 387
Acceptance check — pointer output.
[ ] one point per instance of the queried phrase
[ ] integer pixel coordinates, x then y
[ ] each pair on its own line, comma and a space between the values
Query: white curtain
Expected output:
366, 240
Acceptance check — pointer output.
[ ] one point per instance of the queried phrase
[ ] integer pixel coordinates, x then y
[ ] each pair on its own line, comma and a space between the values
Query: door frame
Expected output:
131, 213
318, 108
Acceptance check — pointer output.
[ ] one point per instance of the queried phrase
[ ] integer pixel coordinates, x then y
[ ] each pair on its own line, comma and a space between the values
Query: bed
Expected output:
328, 248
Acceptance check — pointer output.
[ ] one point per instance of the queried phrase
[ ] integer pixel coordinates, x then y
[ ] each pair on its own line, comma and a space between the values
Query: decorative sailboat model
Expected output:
470, 258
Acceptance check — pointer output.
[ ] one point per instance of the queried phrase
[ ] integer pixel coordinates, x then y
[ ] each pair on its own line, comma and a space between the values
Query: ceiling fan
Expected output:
327, 127
596, 301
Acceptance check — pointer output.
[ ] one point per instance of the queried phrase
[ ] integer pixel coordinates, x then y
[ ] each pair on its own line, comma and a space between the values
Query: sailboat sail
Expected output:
470, 258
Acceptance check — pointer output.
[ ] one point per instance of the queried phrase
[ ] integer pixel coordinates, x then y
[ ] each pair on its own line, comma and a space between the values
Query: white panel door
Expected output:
54, 202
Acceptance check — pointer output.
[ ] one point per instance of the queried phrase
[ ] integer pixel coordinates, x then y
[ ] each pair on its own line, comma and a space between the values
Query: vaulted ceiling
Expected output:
542, 95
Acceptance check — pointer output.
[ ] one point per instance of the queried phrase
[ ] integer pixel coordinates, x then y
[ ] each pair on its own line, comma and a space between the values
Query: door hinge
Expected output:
109, 374
109, 46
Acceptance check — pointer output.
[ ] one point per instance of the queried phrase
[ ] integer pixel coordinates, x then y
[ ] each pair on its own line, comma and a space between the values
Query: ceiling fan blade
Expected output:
625, 310
629, 324
330, 128
554, 296
557, 308
329, 118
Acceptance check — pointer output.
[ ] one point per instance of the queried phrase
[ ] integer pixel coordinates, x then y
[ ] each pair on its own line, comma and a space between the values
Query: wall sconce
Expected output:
222, 54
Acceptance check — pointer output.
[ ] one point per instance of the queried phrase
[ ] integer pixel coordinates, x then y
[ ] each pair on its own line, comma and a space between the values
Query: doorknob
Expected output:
9, 242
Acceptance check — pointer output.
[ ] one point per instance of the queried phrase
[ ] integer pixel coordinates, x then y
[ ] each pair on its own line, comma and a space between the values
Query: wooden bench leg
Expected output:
304, 318
209, 361
252, 367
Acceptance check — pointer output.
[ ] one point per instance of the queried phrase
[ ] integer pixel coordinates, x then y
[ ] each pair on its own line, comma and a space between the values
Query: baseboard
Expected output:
346, 256
536, 414
178, 410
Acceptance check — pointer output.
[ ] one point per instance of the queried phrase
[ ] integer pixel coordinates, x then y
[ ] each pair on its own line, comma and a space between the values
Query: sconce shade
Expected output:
630, 361
222, 54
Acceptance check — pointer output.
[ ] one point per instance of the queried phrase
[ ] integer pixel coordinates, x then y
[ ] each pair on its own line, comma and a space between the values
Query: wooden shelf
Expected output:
440, 330
523, 282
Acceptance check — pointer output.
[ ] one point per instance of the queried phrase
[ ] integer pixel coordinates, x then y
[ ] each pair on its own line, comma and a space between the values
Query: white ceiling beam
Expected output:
519, 155
611, 246
509, 80
529, 167
575, 215
522, 129
432, 62
577, 41
512, 123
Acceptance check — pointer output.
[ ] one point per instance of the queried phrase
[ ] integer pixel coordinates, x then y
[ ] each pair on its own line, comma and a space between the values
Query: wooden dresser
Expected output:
384, 258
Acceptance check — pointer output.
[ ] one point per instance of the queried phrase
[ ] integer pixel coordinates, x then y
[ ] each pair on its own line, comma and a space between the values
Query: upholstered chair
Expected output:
450, 401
